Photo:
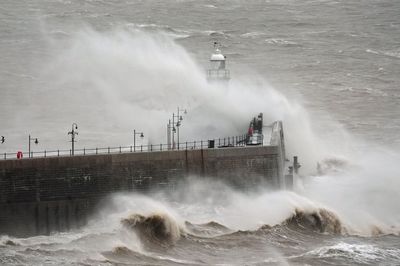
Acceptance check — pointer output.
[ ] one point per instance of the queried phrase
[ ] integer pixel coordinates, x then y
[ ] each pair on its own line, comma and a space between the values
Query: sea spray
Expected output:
120, 80
157, 228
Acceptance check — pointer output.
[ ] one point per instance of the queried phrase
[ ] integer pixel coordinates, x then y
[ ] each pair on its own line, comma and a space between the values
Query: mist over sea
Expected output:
330, 70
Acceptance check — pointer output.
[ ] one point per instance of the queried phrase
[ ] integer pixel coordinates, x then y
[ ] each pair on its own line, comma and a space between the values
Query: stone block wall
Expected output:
43, 195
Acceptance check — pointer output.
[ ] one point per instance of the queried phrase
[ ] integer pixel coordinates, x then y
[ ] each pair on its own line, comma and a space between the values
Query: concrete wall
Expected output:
39, 196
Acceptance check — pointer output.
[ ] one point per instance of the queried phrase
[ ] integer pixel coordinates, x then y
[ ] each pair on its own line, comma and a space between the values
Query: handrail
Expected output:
227, 142
218, 73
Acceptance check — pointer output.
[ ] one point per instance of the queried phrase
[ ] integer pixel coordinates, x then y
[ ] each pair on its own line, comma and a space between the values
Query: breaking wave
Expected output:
321, 220
158, 228
209, 229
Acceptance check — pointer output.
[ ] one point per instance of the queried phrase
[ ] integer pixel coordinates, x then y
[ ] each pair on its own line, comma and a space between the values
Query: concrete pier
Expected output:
43, 195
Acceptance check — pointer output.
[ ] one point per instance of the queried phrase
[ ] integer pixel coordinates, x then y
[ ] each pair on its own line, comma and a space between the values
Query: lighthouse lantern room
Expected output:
217, 70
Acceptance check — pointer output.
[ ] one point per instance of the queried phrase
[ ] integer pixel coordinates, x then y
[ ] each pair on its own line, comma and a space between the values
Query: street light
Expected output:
178, 124
169, 126
134, 138
174, 128
36, 141
73, 133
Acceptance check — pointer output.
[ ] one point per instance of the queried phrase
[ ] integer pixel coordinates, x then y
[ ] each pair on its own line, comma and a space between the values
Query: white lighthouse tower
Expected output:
217, 70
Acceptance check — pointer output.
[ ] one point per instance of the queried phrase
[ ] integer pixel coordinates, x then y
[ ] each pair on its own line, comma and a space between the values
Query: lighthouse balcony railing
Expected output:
218, 74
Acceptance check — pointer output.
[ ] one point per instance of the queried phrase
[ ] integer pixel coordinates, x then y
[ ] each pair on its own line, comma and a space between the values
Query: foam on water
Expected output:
120, 79
365, 254
134, 79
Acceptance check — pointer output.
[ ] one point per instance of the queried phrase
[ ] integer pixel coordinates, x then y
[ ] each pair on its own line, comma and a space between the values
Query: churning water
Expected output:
328, 69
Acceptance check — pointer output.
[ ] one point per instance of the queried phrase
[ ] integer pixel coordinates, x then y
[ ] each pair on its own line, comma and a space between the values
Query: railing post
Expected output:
96, 150
70, 152
58, 153
141, 148
5, 156
44, 153
194, 145
119, 149
186, 145
151, 147
160, 146
219, 142
131, 148
84, 151
108, 150
201, 144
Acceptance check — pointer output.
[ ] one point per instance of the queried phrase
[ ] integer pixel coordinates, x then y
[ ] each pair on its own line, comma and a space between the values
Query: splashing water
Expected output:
118, 80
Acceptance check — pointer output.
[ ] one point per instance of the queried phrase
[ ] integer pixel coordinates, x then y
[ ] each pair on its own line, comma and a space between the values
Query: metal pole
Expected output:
73, 141
29, 149
178, 123
178, 135
173, 131
73, 133
134, 140
168, 135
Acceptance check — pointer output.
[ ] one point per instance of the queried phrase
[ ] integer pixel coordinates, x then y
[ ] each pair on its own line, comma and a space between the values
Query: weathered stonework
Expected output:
42, 195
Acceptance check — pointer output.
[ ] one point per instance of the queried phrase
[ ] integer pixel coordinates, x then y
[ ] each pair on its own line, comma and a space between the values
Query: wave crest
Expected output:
321, 220
209, 229
158, 229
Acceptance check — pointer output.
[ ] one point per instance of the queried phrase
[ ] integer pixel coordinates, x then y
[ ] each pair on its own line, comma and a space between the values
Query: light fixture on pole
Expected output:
173, 130
180, 118
73, 133
36, 141
174, 127
134, 138
2, 139
169, 126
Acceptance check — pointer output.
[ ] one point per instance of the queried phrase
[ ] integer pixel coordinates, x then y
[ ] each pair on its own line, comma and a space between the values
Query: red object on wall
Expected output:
20, 155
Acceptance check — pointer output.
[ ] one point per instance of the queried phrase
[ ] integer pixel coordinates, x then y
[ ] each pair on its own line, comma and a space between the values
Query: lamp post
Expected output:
178, 124
134, 138
175, 127
36, 141
173, 130
169, 134
73, 133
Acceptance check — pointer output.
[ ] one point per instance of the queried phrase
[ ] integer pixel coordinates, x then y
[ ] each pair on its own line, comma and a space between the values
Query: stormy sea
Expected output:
328, 69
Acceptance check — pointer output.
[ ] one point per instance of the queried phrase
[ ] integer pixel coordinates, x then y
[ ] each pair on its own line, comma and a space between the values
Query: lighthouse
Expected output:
217, 70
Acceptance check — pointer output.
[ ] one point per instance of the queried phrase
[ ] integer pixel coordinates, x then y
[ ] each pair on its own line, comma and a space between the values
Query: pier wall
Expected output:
43, 195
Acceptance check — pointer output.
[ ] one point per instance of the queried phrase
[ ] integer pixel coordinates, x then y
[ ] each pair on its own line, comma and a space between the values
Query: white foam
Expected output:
360, 253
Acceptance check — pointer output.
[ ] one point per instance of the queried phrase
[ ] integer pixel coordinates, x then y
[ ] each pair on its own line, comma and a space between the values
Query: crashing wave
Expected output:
207, 229
331, 165
158, 229
320, 220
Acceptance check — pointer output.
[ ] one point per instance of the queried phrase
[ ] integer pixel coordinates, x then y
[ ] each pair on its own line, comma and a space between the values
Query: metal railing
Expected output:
218, 74
235, 141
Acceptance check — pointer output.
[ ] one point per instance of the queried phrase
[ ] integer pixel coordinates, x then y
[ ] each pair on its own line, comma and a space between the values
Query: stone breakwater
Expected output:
44, 195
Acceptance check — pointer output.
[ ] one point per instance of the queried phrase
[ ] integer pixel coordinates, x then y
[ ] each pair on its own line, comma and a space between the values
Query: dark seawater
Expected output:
328, 69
